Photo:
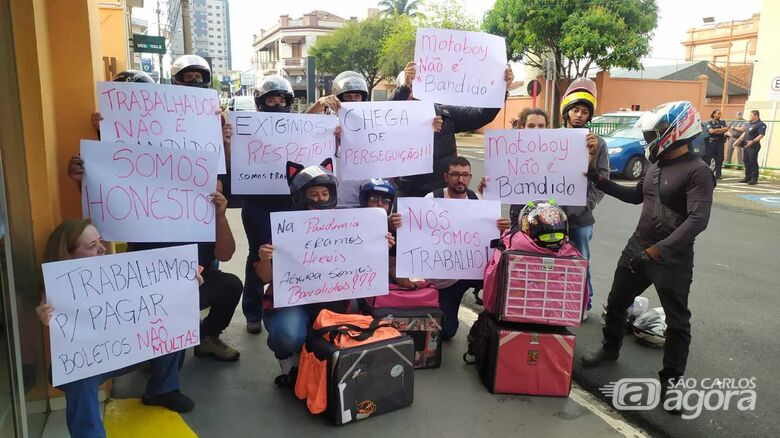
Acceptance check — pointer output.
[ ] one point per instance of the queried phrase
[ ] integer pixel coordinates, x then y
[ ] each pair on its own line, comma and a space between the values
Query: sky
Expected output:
247, 17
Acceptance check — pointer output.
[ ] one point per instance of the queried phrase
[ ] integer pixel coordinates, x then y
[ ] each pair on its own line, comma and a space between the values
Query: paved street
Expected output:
734, 302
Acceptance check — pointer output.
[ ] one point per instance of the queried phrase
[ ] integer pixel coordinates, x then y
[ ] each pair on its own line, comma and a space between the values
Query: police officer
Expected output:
716, 139
676, 197
751, 139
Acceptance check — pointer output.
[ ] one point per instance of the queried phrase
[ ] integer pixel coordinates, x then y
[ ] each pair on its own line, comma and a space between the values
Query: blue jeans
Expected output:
82, 408
287, 330
449, 303
580, 237
256, 216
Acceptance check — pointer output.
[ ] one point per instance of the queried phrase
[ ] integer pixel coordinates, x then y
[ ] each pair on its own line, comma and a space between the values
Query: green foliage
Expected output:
399, 7
355, 46
576, 33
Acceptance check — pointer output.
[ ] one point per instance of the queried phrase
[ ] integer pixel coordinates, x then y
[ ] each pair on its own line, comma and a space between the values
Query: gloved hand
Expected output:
593, 175
636, 262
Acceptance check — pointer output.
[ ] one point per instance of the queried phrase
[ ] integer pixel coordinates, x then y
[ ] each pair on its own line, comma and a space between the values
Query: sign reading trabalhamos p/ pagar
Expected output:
456, 67
114, 311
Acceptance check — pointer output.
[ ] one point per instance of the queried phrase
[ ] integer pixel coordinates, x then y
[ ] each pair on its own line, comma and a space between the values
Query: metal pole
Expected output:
159, 55
185, 26
725, 95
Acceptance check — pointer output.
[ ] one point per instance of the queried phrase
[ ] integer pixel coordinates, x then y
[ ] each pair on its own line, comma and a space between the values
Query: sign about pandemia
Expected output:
263, 143
114, 311
524, 165
456, 67
168, 116
329, 255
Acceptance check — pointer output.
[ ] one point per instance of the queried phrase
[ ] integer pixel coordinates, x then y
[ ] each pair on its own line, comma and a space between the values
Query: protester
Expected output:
578, 104
454, 119
736, 128
311, 188
751, 138
716, 139
457, 180
676, 197
77, 239
273, 94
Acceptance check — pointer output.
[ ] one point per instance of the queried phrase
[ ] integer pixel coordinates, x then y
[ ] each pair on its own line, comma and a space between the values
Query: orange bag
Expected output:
343, 331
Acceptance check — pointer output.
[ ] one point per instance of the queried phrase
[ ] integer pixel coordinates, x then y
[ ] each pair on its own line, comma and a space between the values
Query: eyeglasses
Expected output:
376, 199
457, 175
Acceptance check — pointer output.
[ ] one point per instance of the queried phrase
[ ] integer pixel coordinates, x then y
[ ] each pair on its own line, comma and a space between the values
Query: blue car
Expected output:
626, 148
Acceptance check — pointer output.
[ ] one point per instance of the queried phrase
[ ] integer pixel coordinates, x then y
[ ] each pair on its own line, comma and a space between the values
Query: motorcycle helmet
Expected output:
667, 127
133, 76
300, 178
270, 86
545, 223
186, 63
378, 187
637, 308
582, 91
650, 327
350, 82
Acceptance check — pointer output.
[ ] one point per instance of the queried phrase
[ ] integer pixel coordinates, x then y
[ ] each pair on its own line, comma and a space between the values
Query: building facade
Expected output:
711, 43
210, 29
283, 48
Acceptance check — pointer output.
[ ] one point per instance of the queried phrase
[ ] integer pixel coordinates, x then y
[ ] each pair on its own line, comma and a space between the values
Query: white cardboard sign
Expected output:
329, 255
114, 311
445, 238
148, 194
171, 116
263, 142
524, 165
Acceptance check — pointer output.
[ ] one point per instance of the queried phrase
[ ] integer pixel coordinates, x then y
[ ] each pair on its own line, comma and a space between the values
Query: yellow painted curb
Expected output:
129, 418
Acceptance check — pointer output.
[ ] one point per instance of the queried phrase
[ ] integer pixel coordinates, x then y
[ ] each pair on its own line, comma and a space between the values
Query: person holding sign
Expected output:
311, 188
458, 179
273, 94
676, 198
454, 119
577, 107
76, 239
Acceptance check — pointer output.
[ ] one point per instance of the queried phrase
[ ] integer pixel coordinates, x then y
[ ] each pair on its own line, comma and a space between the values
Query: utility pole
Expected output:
159, 33
725, 96
185, 26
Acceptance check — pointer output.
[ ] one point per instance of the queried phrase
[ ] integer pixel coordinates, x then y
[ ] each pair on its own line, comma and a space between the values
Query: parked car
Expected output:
242, 103
626, 149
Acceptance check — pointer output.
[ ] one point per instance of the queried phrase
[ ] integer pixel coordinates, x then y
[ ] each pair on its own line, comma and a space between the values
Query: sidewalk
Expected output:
239, 399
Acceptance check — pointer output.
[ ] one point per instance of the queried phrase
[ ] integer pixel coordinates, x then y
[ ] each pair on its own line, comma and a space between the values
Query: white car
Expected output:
241, 103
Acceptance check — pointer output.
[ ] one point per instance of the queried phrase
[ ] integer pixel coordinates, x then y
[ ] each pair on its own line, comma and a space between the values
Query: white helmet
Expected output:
650, 327
637, 308
187, 63
349, 82
668, 126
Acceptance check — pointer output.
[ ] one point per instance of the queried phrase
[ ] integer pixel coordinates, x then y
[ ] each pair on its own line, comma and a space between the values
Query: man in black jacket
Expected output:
676, 198
455, 119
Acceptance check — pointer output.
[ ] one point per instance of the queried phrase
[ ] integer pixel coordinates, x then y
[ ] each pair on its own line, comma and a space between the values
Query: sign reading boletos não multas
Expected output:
524, 165
114, 311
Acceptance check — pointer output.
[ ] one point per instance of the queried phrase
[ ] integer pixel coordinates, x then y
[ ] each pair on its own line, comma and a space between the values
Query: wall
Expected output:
616, 93
729, 111
113, 41
710, 43
767, 67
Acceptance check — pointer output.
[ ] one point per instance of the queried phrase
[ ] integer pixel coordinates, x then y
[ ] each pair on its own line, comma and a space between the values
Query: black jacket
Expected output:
582, 216
455, 119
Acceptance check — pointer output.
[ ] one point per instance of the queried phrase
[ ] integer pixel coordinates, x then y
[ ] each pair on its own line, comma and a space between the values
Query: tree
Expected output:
398, 48
577, 34
355, 46
399, 7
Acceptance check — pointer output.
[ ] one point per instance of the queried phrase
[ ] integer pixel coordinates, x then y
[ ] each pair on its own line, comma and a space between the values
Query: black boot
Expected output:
598, 357
668, 391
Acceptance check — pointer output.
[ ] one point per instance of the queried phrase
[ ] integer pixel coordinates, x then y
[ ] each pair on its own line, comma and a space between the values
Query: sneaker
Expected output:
287, 380
585, 316
174, 400
254, 327
752, 182
596, 358
213, 346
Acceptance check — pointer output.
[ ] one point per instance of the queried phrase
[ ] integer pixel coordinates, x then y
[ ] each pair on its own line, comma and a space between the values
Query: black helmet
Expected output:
133, 76
273, 85
350, 82
187, 63
545, 223
299, 179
